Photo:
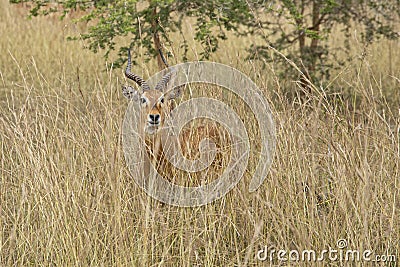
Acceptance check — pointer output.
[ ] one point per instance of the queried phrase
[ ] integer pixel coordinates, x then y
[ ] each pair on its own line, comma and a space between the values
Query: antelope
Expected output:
156, 105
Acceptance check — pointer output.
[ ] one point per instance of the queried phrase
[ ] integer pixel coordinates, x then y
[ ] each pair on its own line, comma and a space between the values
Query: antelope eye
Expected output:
162, 100
143, 100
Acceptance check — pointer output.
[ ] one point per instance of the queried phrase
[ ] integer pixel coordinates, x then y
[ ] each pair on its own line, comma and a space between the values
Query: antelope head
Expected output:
155, 103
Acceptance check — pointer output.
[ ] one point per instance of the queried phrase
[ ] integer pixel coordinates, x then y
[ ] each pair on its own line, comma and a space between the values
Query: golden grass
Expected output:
67, 198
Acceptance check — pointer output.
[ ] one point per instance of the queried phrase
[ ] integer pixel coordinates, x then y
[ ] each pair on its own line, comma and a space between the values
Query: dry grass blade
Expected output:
67, 198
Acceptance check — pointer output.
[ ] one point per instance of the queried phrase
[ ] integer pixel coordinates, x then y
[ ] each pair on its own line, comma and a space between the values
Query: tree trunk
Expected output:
156, 39
314, 42
304, 81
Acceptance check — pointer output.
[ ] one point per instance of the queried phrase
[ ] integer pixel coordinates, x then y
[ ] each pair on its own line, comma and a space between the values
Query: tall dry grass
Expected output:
67, 198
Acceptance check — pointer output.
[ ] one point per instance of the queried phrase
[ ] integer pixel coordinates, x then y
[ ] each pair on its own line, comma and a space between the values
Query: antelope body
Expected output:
155, 107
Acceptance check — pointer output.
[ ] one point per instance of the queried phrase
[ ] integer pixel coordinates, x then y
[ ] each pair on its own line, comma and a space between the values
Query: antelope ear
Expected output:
174, 93
130, 93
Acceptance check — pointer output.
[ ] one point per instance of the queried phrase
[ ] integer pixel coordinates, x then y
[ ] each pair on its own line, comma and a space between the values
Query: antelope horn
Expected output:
137, 79
162, 84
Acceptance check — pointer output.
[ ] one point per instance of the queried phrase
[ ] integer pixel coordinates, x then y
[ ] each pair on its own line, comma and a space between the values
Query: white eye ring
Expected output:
144, 101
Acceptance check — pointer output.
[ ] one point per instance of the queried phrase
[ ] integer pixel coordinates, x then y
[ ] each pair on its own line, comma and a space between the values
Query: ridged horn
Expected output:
162, 84
137, 79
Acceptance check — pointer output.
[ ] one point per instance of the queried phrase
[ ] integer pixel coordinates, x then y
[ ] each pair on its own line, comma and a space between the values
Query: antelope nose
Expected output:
154, 118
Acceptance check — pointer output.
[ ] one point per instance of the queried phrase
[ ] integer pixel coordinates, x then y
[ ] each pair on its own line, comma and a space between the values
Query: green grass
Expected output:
67, 198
